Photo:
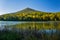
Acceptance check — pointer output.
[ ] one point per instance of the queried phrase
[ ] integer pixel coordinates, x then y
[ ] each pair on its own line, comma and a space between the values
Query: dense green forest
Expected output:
29, 14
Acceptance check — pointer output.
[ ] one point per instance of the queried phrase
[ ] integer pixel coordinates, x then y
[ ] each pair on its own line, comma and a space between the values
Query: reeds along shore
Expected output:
29, 34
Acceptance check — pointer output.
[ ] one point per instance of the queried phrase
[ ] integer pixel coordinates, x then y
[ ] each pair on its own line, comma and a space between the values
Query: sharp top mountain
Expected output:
27, 10
29, 14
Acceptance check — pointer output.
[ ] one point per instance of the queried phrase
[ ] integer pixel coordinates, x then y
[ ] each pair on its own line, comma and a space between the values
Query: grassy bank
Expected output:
29, 35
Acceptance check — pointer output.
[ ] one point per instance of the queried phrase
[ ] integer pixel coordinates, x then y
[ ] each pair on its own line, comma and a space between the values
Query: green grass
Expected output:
29, 35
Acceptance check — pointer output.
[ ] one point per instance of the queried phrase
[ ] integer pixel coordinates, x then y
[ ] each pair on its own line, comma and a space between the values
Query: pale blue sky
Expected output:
7, 6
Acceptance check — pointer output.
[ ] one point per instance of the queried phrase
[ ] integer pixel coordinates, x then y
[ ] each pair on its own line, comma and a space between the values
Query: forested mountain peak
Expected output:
27, 10
29, 14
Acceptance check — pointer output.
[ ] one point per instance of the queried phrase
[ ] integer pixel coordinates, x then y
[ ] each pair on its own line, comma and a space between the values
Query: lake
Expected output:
2, 23
25, 24
49, 30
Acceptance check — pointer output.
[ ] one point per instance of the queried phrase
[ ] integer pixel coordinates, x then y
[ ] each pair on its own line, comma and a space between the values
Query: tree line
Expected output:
33, 16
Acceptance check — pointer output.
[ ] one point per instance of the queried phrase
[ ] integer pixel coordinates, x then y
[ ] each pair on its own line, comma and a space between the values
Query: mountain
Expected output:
29, 14
27, 10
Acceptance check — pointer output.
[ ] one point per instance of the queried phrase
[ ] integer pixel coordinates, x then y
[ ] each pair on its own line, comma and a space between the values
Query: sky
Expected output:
10, 6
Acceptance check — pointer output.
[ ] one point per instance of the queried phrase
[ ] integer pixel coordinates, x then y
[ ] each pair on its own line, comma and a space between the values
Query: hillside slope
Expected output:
29, 14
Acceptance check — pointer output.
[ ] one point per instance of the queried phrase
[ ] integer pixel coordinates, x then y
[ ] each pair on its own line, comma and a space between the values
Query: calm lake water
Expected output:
30, 30
3, 23
43, 24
